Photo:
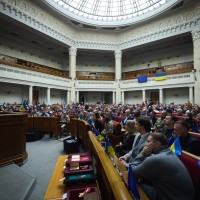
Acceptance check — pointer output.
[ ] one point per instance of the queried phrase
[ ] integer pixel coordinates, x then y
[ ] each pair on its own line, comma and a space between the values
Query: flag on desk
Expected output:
97, 133
132, 185
160, 77
142, 79
176, 147
109, 149
4, 105
24, 106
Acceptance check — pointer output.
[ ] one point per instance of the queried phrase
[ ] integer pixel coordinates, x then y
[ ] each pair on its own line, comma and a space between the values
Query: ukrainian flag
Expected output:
109, 149
24, 106
160, 77
176, 147
4, 105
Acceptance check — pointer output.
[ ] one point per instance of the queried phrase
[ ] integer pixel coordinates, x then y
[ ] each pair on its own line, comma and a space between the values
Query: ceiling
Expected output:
12, 32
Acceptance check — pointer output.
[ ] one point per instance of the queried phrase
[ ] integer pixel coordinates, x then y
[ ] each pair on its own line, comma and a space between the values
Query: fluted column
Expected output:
48, 97
30, 99
118, 66
72, 71
196, 50
161, 95
191, 95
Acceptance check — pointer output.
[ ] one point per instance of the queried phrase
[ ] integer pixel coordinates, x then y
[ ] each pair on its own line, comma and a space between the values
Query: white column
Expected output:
68, 96
161, 95
30, 99
191, 98
48, 97
143, 95
122, 95
196, 50
114, 98
77, 96
72, 71
118, 66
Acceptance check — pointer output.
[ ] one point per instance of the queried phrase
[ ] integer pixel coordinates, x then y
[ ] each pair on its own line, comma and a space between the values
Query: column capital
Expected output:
118, 54
72, 51
195, 34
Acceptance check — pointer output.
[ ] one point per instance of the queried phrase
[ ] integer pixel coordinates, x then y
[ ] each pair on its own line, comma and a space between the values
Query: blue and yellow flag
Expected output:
4, 105
160, 77
132, 185
24, 106
176, 147
109, 149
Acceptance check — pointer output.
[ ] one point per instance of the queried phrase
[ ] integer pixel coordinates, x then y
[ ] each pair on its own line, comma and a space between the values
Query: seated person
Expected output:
64, 120
98, 122
191, 122
168, 128
153, 118
143, 127
162, 174
109, 125
187, 141
44, 112
160, 122
127, 116
127, 139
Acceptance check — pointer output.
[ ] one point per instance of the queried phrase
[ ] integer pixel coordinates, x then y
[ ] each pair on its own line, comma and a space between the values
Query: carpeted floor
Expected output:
42, 157
15, 183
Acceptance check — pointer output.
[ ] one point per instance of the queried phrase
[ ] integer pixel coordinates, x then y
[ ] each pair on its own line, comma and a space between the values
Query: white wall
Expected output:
176, 95
11, 93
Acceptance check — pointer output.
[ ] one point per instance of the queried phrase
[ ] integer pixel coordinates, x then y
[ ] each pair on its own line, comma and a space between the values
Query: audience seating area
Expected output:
192, 163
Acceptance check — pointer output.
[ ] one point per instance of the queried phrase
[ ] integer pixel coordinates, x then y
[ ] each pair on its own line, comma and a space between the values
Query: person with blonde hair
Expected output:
127, 139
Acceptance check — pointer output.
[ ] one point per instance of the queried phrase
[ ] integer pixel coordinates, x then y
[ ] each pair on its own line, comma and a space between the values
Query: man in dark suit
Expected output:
187, 141
143, 127
127, 116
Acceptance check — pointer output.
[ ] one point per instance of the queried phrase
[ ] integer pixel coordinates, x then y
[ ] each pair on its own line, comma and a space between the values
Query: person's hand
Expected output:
123, 162
122, 158
148, 148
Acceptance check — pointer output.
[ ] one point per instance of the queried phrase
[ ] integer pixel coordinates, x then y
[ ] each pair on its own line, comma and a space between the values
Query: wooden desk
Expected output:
13, 138
56, 188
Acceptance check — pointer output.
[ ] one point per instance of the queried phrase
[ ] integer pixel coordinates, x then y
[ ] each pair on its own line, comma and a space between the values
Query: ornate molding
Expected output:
173, 25
72, 51
196, 34
118, 54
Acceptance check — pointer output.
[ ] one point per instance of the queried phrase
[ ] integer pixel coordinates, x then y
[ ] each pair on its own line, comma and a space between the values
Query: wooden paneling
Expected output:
13, 138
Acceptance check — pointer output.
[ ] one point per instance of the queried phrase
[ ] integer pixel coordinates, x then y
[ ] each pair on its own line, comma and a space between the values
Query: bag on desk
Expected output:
71, 146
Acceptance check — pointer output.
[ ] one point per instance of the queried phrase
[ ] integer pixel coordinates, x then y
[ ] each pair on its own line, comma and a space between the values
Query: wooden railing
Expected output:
50, 125
105, 76
35, 67
171, 69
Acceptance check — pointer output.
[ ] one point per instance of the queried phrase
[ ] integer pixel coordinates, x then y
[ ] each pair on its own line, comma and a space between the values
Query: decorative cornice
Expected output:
196, 34
168, 27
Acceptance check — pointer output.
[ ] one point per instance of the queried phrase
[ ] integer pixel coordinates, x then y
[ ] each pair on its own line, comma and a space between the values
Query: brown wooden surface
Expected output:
56, 188
46, 124
13, 138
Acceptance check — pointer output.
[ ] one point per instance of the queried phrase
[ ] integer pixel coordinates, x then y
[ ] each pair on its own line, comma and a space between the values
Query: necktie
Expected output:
138, 139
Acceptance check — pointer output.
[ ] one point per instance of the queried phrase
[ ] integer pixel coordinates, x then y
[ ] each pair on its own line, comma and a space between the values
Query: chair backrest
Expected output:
196, 135
192, 163
118, 118
117, 129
